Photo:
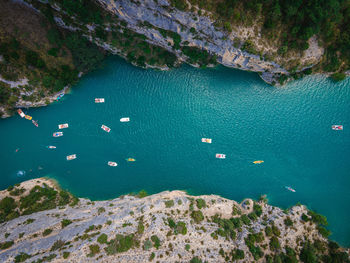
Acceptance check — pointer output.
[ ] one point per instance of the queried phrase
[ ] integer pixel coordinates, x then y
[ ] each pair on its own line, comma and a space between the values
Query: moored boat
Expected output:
51, 147
99, 100
112, 163
290, 189
62, 126
57, 134
220, 156
125, 119
105, 128
131, 159
337, 127
28, 117
60, 96
71, 157
258, 162
35, 123
21, 113
206, 140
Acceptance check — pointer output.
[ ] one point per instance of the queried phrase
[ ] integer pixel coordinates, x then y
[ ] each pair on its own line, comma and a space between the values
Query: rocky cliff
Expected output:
42, 223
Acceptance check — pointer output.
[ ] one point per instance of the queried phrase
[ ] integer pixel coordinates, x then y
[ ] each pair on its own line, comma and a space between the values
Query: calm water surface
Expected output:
287, 127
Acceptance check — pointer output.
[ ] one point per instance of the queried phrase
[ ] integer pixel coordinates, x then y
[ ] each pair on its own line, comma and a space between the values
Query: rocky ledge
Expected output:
41, 223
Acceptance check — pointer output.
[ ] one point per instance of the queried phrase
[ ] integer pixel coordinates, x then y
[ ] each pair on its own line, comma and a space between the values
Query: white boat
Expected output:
71, 157
57, 134
337, 127
220, 156
21, 113
99, 100
206, 140
105, 128
290, 189
112, 163
125, 119
62, 126
51, 147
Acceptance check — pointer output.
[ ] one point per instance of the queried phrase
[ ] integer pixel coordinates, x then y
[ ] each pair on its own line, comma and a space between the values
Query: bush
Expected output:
102, 239
324, 232
238, 254
181, 228
147, 245
94, 249
47, 232
22, 257
276, 231
65, 222
308, 253
338, 76
120, 244
200, 203
156, 241
257, 209
169, 203
6, 244
140, 227
142, 194
274, 243
66, 254
152, 256
57, 245
196, 260
288, 221
197, 216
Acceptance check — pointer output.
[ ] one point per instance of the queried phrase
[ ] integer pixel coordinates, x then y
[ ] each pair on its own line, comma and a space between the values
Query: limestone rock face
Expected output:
169, 227
159, 14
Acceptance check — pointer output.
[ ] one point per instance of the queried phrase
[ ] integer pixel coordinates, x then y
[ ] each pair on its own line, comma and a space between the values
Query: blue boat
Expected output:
60, 96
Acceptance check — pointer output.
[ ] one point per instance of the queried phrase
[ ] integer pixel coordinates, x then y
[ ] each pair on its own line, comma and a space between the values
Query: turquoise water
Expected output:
288, 127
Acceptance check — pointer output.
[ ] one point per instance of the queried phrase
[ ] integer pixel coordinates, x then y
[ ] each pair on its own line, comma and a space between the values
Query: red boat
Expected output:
35, 123
337, 127
105, 128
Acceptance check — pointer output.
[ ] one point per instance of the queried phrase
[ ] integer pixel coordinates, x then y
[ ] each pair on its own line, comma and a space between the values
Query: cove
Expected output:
288, 127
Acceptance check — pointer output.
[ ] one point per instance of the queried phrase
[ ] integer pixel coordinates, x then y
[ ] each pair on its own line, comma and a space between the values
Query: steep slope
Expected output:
165, 227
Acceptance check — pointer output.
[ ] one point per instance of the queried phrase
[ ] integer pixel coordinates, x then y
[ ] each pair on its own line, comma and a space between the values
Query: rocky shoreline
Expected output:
164, 227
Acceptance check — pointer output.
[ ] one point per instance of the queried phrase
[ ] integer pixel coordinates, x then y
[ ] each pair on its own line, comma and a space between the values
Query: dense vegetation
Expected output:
292, 22
37, 199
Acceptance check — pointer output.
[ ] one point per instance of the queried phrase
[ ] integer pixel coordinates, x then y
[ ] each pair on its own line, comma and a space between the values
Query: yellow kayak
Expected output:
131, 160
258, 162
28, 117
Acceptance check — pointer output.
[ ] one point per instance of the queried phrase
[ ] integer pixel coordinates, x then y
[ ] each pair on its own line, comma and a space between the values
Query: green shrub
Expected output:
22, 257
197, 216
276, 231
142, 194
169, 203
102, 239
288, 221
187, 247
66, 254
200, 203
274, 243
147, 245
245, 219
323, 231
6, 244
47, 232
156, 241
196, 260
257, 209
305, 218
238, 254
152, 256
140, 227
101, 210
120, 244
181, 228
57, 245
94, 249
318, 219
65, 222
338, 76
268, 231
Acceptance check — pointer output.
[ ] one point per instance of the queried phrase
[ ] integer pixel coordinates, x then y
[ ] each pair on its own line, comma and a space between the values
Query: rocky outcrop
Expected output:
165, 227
